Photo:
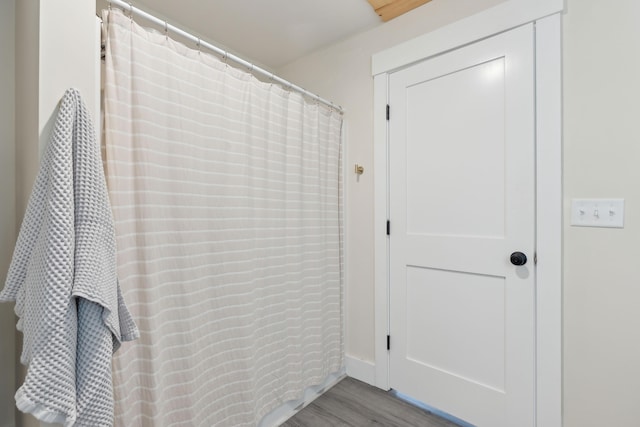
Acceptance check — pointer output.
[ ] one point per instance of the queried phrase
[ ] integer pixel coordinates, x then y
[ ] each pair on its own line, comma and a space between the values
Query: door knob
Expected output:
518, 258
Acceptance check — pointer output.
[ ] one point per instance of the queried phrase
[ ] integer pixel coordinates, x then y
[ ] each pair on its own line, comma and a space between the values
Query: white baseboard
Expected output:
361, 370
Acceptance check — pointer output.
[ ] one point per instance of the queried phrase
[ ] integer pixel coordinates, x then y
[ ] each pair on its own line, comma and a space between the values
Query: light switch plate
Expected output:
597, 213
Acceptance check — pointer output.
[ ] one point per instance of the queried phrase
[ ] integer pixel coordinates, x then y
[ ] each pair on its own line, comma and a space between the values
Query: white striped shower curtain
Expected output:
226, 194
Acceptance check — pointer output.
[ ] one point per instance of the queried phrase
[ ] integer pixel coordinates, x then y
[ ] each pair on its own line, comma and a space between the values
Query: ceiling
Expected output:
270, 33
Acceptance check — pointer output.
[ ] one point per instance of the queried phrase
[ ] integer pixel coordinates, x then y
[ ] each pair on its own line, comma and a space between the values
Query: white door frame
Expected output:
547, 17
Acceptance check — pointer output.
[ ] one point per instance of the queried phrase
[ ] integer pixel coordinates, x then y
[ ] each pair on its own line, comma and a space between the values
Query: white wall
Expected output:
7, 208
26, 104
68, 53
342, 73
26, 130
601, 159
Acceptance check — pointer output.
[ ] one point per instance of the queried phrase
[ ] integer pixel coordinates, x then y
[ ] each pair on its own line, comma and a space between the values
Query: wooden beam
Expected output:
377, 4
389, 9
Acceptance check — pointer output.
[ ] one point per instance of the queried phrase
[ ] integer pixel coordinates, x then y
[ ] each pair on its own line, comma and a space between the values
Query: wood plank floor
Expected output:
356, 404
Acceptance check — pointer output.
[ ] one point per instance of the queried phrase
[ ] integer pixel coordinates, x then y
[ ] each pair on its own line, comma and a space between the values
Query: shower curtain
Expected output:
226, 194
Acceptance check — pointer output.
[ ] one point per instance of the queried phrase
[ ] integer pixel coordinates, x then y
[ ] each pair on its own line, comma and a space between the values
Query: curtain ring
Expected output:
225, 57
198, 46
131, 11
166, 30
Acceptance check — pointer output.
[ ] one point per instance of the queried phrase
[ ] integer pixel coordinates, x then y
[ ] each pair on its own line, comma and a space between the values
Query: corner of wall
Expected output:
7, 207
361, 370
27, 18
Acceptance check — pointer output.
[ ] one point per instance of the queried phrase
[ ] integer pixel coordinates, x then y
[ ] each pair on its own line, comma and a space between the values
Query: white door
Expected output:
461, 150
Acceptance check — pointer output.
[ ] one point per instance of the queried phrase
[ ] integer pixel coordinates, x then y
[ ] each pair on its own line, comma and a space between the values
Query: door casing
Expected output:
548, 74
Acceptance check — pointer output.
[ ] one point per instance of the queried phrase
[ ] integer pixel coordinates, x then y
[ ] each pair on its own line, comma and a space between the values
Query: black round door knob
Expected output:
518, 258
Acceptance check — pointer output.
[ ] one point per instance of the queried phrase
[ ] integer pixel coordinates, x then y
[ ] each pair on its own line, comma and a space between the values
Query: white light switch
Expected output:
597, 213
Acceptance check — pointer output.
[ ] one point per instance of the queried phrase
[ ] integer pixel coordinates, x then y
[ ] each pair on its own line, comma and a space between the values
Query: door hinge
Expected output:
388, 342
388, 228
388, 111
535, 258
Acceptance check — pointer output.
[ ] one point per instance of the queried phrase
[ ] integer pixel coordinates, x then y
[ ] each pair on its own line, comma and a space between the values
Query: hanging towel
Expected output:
63, 280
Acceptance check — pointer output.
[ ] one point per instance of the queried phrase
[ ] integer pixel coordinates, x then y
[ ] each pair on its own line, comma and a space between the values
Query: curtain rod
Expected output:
226, 55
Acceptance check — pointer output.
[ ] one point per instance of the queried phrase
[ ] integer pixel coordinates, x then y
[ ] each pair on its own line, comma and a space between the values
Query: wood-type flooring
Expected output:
356, 404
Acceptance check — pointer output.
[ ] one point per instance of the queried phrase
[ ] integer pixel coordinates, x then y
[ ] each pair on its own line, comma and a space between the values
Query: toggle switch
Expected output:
597, 213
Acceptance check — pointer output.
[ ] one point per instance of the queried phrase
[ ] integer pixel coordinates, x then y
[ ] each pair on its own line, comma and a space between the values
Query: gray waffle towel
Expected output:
63, 280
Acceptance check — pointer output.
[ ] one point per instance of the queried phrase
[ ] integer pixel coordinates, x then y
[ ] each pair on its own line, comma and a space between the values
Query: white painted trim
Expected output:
345, 240
549, 220
549, 186
381, 241
361, 370
497, 19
